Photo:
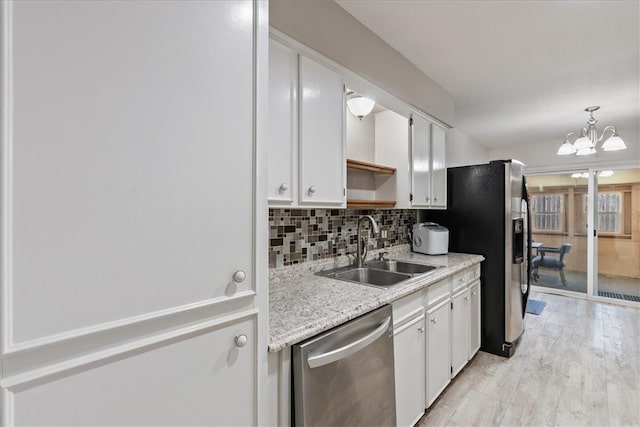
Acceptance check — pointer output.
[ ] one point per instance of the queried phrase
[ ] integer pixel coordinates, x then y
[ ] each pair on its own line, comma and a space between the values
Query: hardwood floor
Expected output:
578, 364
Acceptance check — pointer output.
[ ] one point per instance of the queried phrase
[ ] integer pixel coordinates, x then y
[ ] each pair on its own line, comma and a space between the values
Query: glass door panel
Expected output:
617, 220
559, 258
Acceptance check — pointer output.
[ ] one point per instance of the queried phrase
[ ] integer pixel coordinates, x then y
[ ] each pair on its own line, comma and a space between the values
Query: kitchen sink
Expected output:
401, 266
372, 276
366, 276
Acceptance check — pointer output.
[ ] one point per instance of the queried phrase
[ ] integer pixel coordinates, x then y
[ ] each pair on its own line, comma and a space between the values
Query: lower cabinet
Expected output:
459, 331
205, 377
409, 348
438, 349
475, 330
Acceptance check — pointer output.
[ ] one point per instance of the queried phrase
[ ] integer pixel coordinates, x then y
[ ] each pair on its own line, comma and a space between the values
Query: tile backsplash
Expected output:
301, 235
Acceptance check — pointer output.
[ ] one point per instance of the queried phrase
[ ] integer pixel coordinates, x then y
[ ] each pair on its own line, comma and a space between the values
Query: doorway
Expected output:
586, 232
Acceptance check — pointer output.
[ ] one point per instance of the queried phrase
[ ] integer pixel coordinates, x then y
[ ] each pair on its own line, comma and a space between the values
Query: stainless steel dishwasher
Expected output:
345, 376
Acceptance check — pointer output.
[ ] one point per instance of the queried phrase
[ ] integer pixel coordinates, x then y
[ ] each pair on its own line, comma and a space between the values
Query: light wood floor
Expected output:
578, 364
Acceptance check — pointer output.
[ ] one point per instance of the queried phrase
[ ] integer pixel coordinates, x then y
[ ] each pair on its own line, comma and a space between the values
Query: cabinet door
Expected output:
438, 349
459, 331
321, 117
409, 358
420, 162
282, 153
125, 160
475, 330
204, 379
438, 167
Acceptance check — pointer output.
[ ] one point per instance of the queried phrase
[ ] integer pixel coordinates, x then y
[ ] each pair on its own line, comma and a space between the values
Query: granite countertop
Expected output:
302, 304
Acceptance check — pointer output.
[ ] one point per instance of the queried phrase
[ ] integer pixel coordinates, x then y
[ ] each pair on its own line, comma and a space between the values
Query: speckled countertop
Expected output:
302, 304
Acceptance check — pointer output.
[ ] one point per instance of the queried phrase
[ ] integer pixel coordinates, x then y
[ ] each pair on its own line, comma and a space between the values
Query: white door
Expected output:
126, 158
459, 331
438, 167
128, 178
475, 327
438, 350
204, 379
420, 162
283, 112
409, 345
321, 121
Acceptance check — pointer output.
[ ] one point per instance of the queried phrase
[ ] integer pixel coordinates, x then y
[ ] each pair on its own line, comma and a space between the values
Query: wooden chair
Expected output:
555, 262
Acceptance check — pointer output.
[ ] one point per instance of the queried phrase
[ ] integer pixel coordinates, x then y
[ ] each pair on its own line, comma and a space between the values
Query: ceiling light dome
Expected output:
360, 106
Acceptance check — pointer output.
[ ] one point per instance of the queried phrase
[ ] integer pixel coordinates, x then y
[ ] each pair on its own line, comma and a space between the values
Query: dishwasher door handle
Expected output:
349, 349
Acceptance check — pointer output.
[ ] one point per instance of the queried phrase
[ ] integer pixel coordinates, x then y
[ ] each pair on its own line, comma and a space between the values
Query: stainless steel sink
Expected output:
372, 276
380, 274
401, 266
366, 276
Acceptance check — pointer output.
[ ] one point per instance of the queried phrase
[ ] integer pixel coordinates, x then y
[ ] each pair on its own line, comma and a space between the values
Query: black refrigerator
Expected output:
488, 214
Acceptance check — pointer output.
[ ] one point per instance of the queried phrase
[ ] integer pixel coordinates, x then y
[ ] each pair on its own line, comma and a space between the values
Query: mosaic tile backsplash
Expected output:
301, 235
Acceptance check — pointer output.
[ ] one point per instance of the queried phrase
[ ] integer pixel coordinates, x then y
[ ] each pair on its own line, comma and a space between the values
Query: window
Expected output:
609, 211
548, 212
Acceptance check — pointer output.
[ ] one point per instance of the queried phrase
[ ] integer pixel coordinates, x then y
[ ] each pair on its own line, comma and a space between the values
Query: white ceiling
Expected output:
520, 71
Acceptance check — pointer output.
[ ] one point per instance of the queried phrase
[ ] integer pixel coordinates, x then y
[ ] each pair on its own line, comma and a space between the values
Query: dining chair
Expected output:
550, 261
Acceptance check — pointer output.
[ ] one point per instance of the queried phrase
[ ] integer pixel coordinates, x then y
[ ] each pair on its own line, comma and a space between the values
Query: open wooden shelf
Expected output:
370, 167
363, 203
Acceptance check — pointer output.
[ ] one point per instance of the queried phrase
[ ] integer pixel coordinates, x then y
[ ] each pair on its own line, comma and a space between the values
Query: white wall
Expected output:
329, 29
463, 150
542, 157
361, 138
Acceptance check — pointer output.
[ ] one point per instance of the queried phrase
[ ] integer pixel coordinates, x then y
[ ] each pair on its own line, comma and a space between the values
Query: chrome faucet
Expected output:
363, 241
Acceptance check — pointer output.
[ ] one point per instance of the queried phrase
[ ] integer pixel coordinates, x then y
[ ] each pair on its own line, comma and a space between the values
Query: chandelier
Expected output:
586, 143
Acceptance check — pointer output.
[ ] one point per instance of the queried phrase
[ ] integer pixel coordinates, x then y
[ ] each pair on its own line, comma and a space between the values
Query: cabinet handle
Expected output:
240, 340
473, 294
466, 298
434, 320
239, 276
283, 187
428, 198
421, 329
435, 198
312, 189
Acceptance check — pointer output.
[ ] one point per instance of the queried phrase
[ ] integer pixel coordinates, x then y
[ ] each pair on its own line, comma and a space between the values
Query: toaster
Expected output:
430, 238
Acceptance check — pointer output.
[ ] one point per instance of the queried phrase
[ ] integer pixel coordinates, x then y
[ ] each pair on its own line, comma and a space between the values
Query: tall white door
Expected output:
128, 209
438, 167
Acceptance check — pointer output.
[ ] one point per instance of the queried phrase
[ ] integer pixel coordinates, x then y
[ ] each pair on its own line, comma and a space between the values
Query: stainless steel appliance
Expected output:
488, 214
345, 376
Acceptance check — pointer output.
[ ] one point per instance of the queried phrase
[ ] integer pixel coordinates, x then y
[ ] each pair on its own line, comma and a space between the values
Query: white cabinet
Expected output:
475, 327
428, 164
306, 160
438, 349
459, 331
282, 154
321, 121
409, 342
204, 379
128, 274
465, 318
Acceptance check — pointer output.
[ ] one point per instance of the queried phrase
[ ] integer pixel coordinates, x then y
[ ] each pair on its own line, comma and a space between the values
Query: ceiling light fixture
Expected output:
359, 105
586, 143
585, 175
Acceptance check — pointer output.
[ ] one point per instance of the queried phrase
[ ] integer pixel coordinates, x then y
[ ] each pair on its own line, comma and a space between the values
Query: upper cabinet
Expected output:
283, 120
428, 164
321, 113
306, 163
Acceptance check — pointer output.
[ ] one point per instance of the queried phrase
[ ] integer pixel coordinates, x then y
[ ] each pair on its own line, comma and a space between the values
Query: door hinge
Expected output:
411, 197
344, 191
410, 121
452, 369
451, 305
595, 233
